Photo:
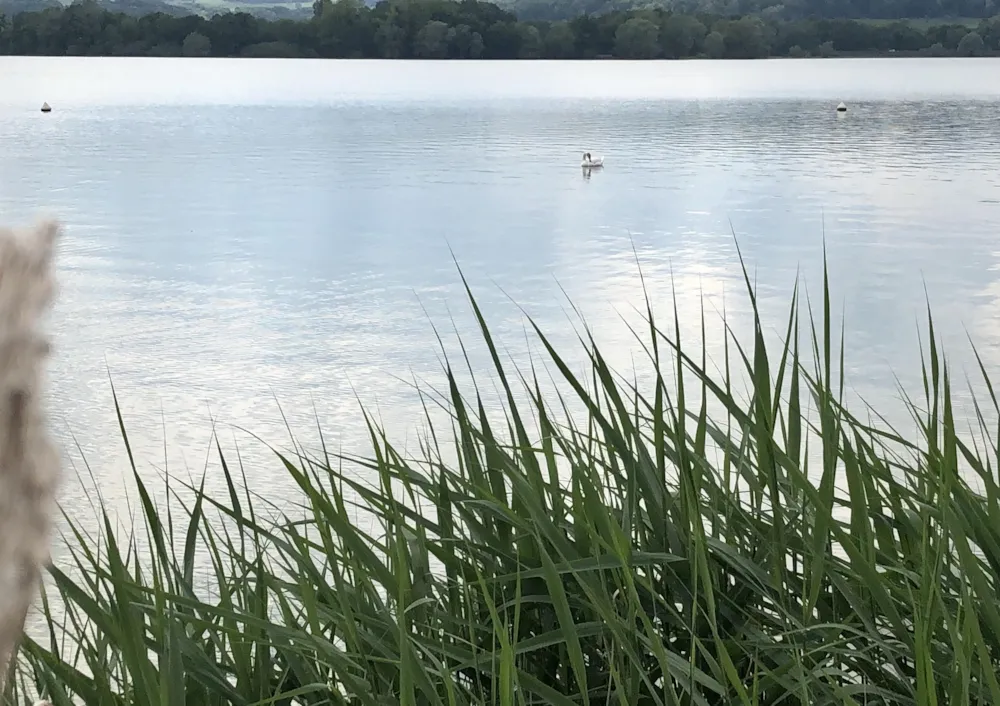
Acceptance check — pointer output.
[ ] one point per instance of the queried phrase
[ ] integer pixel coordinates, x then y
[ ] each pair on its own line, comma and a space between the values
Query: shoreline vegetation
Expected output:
468, 29
720, 535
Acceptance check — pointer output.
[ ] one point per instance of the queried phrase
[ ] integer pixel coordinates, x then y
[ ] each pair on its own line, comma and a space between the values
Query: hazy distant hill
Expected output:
554, 10
268, 9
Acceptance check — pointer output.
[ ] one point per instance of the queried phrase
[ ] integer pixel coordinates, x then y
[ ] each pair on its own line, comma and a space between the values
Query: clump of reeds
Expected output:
29, 464
676, 544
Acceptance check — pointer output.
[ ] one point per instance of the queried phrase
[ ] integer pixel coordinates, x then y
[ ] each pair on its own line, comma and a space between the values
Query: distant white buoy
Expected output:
46, 108
842, 108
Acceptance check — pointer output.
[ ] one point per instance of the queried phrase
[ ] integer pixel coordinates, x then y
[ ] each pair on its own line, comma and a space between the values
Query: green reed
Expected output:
678, 544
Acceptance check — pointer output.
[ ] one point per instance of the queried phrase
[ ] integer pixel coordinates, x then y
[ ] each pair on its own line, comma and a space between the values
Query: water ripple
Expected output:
284, 230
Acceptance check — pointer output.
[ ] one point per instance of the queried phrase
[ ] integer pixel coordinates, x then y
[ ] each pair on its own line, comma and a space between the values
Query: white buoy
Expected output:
842, 108
46, 108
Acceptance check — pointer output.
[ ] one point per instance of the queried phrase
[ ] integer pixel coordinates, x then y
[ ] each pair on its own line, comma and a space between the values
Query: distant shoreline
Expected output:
580, 60
448, 30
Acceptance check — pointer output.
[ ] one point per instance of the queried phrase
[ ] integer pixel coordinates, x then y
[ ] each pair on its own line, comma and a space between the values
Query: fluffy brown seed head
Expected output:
29, 463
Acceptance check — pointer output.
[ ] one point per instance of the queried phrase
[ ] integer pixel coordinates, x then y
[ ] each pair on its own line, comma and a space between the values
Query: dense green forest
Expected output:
778, 9
468, 29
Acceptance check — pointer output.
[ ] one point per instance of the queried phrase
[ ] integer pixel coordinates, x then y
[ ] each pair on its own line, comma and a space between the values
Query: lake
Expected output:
250, 237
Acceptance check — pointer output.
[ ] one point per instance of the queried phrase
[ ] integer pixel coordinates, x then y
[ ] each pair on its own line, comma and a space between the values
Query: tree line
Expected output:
780, 9
469, 29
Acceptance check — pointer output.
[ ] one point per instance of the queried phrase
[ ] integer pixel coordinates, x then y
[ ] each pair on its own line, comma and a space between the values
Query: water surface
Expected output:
246, 233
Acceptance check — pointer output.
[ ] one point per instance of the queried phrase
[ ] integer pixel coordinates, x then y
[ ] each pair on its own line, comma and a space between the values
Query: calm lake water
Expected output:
244, 234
